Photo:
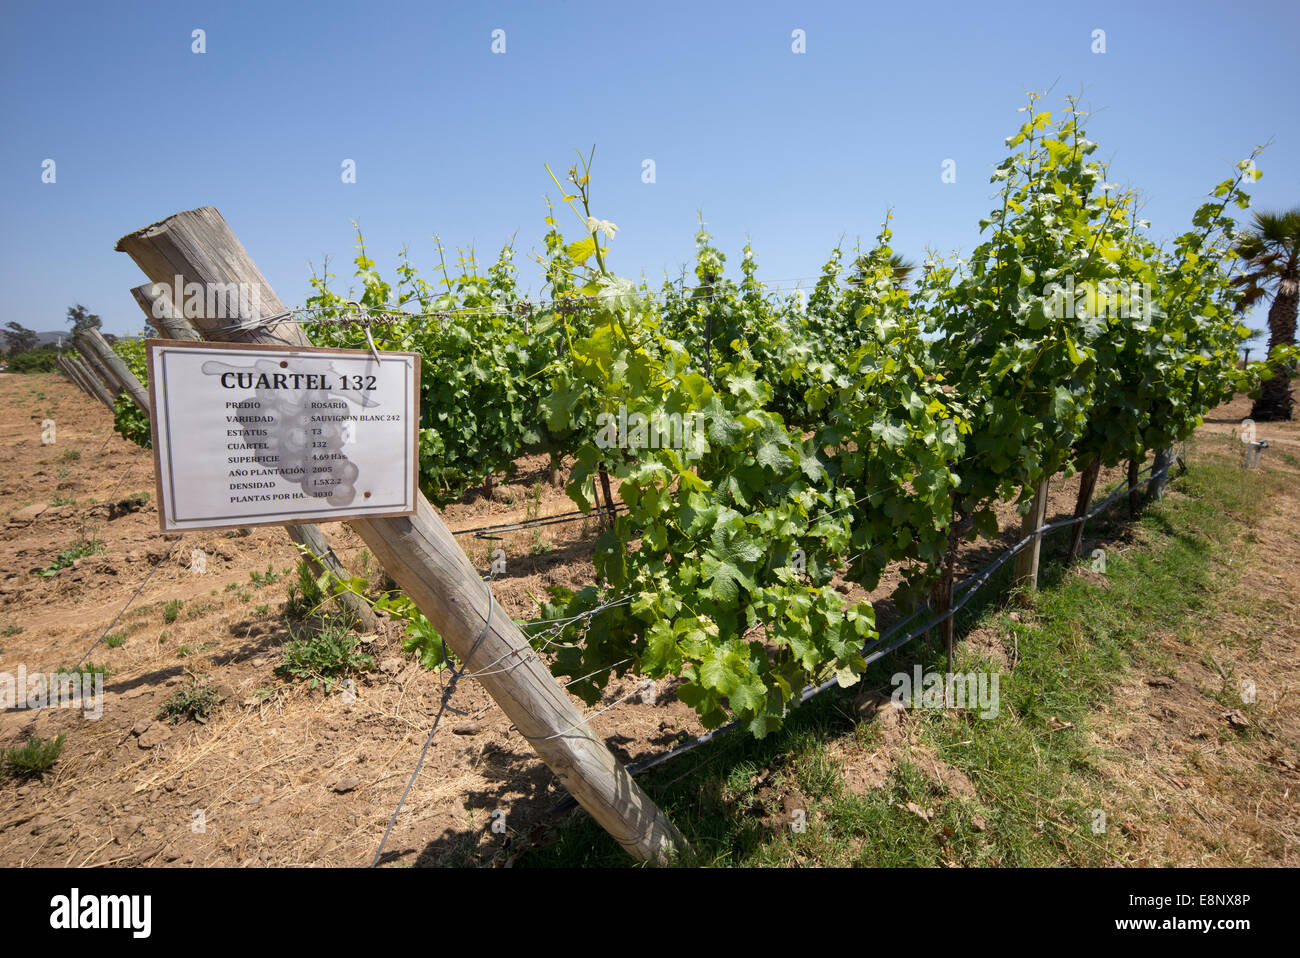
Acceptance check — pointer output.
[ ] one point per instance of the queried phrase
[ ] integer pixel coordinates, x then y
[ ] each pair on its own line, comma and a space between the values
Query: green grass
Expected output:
88, 671
1038, 784
31, 760
115, 640
269, 577
171, 610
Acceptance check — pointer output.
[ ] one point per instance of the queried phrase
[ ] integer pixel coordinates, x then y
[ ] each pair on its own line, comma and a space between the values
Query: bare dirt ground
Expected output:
281, 774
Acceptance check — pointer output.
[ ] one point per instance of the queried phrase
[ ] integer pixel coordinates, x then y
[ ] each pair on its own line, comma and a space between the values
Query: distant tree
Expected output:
898, 265
18, 339
1271, 250
82, 318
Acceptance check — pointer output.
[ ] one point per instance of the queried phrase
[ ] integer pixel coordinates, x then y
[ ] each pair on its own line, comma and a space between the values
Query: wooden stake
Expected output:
1027, 558
102, 372
97, 388
428, 565
155, 299
70, 371
1087, 484
1134, 495
609, 498
92, 342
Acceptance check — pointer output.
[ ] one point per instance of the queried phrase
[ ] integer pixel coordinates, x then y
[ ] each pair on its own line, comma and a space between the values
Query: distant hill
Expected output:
43, 339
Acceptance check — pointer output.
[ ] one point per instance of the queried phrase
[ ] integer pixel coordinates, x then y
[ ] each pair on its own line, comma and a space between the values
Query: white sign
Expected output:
247, 435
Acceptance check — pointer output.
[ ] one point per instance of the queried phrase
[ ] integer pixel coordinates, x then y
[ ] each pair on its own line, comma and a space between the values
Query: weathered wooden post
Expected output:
161, 313
72, 375
114, 386
1027, 559
90, 340
424, 559
1087, 485
97, 387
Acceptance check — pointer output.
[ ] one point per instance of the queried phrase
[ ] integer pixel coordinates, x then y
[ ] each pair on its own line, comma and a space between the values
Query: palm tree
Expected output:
898, 265
1271, 250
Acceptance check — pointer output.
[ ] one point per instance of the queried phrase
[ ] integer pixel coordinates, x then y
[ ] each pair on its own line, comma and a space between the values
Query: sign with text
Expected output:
248, 435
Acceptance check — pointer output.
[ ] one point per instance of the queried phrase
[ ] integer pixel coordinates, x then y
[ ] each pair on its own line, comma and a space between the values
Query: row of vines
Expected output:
872, 425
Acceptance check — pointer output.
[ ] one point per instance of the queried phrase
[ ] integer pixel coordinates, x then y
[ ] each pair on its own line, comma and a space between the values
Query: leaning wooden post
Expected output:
97, 387
424, 559
102, 372
316, 550
1087, 485
1027, 559
71, 374
90, 339
70, 364
160, 313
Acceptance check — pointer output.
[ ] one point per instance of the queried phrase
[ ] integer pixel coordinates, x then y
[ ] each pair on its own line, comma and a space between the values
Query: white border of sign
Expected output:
156, 351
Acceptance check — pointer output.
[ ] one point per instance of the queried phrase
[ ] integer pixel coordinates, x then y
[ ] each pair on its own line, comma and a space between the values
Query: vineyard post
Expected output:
71, 372
97, 388
609, 497
102, 372
160, 313
425, 560
91, 340
74, 366
319, 554
1087, 484
1134, 496
1027, 559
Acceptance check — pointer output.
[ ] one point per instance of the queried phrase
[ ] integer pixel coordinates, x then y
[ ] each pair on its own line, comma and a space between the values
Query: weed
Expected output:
114, 640
171, 610
88, 672
306, 595
195, 702
68, 556
33, 759
268, 577
70, 455
323, 658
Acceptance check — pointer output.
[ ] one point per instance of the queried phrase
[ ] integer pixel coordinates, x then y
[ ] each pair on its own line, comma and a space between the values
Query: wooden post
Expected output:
156, 301
941, 596
424, 559
609, 497
73, 376
1027, 559
1087, 484
102, 372
97, 388
90, 340
1134, 496
316, 549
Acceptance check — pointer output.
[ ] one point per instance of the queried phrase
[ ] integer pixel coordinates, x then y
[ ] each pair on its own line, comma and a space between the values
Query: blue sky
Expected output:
790, 150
